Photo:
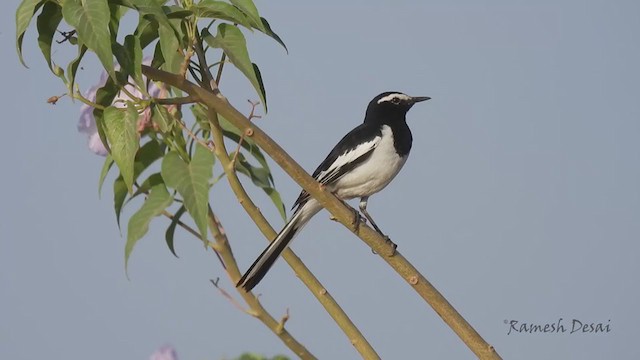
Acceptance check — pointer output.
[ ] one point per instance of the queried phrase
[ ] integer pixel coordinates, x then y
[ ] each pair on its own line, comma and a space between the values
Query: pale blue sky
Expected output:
520, 200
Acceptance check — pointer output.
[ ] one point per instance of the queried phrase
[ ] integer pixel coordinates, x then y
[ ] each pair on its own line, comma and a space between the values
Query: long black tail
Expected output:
263, 263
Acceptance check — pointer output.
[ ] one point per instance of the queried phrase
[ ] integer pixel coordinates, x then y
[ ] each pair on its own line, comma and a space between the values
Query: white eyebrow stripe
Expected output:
394, 96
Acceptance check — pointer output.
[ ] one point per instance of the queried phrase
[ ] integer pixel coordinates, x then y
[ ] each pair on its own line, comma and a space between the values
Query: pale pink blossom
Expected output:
87, 122
164, 353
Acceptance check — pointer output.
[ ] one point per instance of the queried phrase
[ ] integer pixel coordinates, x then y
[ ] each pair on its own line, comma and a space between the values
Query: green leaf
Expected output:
120, 129
116, 13
24, 14
149, 152
147, 31
170, 49
72, 68
168, 33
160, 115
47, 24
261, 177
272, 34
146, 155
192, 182
168, 236
108, 163
221, 10
249, 8
119, 195
176, 12
158, 200
130, 59
104, 97
153, 180
232, 42
91, 20
261, 90
274, 195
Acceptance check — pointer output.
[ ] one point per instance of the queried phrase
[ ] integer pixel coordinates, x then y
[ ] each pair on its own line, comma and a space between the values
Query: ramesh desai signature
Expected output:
561, 326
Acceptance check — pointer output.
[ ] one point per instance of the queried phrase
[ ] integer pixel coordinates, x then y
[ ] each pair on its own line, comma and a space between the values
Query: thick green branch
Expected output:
338, 209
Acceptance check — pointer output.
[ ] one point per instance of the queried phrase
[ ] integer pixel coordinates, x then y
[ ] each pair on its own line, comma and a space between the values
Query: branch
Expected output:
313, 284
338, 209
302, 271
256, 307
175, 101
224, 254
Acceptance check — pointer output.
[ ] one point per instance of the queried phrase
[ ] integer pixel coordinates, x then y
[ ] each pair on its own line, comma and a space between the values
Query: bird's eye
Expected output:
395, 101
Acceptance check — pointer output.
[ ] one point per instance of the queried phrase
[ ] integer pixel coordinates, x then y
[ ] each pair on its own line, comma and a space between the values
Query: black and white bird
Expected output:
360, 165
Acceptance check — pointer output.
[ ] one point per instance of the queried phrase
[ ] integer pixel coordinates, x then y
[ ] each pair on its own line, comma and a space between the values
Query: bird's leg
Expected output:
363, 209
357, 218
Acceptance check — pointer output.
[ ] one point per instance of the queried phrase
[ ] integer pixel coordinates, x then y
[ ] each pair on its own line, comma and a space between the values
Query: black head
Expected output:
391, 105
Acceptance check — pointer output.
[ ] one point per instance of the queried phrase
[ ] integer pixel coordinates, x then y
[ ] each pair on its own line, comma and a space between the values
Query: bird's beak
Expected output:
417, 99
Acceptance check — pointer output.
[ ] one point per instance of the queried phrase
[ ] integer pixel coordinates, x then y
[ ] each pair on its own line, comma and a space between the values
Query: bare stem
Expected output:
224, 254
256, 308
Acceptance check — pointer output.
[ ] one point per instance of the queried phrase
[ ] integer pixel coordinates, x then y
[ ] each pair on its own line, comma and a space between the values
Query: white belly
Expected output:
374, 174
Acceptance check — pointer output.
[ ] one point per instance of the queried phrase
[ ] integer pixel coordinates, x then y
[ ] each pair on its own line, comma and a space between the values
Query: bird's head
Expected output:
392, 104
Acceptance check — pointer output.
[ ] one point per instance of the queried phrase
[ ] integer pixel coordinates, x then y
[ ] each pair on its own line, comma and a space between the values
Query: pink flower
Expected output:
87, 123
165, 353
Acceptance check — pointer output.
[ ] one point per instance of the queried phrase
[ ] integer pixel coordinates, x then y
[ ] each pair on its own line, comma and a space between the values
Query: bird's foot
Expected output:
391, 244
357, 220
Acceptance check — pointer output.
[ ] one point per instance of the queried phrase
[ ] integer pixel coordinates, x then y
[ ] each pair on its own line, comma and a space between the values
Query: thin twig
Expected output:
248, 132
283, 321
86, 101
219, 74
255, 307
228, 296
194, 136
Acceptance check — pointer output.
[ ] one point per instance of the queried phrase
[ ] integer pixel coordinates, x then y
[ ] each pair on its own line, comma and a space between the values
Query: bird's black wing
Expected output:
353, 149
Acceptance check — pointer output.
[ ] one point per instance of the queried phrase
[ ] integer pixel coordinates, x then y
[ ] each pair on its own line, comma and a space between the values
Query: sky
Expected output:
520, 200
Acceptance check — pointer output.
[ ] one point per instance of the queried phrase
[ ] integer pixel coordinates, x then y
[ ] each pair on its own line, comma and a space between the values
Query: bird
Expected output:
363, 162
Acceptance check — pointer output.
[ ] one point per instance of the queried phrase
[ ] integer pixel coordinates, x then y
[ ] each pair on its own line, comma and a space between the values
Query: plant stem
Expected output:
302, 271
256, 307
223, 251
338, 209
313, 284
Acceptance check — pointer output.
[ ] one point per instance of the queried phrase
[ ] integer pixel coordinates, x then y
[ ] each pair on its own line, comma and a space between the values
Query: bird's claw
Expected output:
357, 220
391, 244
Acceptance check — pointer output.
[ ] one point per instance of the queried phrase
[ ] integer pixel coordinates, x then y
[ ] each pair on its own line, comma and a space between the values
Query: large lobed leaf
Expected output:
191, 180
